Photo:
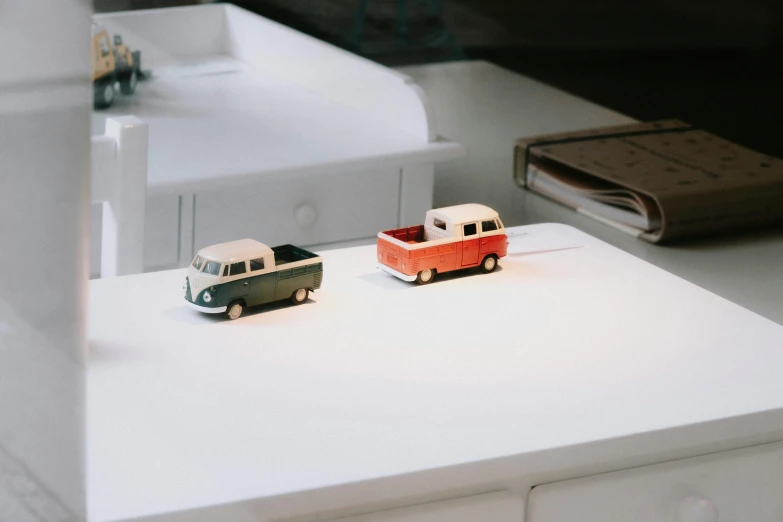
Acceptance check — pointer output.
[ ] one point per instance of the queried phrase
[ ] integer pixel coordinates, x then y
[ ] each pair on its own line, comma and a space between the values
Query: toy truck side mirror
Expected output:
117, 40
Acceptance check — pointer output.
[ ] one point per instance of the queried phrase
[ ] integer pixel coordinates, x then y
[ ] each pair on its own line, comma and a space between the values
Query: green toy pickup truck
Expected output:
229, 277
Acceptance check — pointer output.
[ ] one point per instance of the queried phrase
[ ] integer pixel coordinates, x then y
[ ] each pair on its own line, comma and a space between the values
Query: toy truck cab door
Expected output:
470, 244
235, 282
263, 280
493, 238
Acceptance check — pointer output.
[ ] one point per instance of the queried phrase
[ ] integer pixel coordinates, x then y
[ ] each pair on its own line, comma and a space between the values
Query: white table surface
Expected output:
486, 108
577, 360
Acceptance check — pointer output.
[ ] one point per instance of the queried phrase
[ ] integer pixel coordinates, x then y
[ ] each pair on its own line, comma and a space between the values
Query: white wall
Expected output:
45, 102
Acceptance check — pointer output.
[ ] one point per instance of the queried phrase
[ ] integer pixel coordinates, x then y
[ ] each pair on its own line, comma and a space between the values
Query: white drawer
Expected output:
491, 507
301, 210
733, 486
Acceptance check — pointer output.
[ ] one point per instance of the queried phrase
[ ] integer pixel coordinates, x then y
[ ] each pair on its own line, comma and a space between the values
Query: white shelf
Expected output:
579, 360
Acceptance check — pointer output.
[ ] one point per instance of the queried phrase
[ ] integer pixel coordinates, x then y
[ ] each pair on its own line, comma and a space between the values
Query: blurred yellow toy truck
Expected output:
112, 63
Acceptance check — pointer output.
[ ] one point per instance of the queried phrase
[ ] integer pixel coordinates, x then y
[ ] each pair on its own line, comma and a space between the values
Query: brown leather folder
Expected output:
699, 183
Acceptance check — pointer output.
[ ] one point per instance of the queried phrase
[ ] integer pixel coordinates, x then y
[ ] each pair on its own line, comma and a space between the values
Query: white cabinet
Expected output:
491, 507
303, 210
733, 486
280, 137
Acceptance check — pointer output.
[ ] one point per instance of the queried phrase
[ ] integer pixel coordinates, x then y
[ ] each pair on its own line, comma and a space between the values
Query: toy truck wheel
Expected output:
299, 296
128, 82
235, 309
137, 62
489, 264
425, 277
103, 94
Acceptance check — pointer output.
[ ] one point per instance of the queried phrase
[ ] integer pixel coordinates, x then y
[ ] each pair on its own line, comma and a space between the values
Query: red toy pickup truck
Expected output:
451, 238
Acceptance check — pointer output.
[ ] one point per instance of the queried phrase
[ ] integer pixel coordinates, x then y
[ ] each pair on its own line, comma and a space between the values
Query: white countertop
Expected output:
572, 361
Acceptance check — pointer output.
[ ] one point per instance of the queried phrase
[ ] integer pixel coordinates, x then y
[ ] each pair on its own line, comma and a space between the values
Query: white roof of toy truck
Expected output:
464, 213
234, 251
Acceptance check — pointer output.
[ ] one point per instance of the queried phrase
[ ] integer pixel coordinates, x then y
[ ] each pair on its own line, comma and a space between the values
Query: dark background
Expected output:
715, 64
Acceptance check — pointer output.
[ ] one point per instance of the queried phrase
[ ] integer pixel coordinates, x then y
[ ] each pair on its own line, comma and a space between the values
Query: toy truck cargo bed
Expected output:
414, 234
296, 268
291, 254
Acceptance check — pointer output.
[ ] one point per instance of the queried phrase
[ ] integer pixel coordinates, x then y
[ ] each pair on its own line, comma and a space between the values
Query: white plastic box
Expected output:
259, 131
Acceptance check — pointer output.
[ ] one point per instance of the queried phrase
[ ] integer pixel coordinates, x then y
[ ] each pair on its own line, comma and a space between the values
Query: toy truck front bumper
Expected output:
207, 310
395, 273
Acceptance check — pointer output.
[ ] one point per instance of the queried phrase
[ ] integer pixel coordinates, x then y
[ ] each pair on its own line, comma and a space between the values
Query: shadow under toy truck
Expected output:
113, 64
451, 238
229, 277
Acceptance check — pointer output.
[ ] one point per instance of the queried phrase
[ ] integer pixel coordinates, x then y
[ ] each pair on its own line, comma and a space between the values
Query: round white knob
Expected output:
697, 509
305, 215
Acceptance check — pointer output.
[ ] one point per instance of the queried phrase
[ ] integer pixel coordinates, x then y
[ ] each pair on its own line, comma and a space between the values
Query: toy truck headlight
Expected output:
207, 297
